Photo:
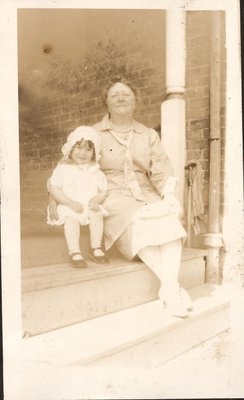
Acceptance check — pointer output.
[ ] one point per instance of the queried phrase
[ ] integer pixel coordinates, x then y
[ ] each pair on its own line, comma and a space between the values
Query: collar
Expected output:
105, 125
89, 167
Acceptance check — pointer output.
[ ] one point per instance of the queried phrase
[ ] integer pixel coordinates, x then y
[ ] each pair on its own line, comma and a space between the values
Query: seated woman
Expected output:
142, 209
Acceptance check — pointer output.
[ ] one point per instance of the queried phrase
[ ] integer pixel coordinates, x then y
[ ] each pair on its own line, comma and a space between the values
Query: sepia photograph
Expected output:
121, 200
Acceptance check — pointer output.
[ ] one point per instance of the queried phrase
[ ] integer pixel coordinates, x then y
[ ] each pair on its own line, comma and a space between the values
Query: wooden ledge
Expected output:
49, 276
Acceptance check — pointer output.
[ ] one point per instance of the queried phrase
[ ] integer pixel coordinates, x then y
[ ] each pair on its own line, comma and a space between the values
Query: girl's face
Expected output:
121, 100
82, 152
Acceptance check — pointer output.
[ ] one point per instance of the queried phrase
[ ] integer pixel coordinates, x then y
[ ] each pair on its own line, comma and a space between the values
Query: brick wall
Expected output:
198, 91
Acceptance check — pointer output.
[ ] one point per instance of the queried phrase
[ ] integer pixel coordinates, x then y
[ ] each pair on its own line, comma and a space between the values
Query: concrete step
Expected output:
54, 296
144, 336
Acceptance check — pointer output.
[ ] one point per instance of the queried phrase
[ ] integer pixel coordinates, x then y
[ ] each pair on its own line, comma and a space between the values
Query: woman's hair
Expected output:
113, 81
89, 145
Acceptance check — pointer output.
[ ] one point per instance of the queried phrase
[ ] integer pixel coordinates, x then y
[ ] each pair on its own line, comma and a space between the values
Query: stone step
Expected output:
54, 296
143, 336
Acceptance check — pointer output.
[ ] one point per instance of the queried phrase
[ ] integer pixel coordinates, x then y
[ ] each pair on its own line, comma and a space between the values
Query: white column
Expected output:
173, 108
175, 51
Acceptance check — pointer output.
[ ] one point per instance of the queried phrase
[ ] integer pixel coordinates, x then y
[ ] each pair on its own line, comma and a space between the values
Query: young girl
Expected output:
79, 186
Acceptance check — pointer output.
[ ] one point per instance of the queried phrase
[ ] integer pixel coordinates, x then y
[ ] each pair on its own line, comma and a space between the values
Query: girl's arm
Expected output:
58, 195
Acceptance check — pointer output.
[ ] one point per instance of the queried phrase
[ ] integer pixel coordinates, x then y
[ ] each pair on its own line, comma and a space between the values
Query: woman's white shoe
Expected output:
186, 299
174, 303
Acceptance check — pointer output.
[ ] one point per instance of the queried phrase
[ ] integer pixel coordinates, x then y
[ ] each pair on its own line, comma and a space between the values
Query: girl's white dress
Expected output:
80, 183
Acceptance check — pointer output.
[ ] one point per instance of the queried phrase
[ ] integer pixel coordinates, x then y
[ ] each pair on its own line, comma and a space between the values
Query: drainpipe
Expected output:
213, 239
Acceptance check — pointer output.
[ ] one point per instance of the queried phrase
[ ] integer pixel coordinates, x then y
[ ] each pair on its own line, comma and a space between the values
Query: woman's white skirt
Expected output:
152, 226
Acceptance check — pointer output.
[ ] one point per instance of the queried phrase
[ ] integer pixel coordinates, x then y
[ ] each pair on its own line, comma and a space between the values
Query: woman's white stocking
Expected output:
164, 261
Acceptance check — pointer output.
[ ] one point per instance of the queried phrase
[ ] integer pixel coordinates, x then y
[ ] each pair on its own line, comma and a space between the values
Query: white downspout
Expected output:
213, 239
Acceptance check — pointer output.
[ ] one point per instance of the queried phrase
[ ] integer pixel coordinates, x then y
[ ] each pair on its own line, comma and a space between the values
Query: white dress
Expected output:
80, 183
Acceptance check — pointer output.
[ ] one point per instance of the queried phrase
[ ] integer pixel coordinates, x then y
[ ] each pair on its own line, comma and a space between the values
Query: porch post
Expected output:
173, 108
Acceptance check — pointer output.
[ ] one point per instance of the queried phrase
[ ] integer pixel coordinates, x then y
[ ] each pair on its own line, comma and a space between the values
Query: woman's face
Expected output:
120, 100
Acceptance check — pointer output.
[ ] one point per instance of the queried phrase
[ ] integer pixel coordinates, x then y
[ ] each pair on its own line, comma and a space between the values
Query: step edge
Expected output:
187, 254
92, 275
120, 347
150, 336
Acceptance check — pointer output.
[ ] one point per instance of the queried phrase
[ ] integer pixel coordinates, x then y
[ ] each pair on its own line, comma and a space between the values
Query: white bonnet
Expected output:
82, 132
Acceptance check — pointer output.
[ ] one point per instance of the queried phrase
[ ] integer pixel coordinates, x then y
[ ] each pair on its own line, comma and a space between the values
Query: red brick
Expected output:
205, 154
197, 144
201, 102
193, 155
200, 123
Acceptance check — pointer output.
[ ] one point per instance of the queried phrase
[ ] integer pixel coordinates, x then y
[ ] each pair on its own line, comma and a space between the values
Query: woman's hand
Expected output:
94, 204
172, 203
75, 206
52, 204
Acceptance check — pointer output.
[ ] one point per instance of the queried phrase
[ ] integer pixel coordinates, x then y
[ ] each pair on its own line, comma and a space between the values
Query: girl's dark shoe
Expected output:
98, 256
77, 262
